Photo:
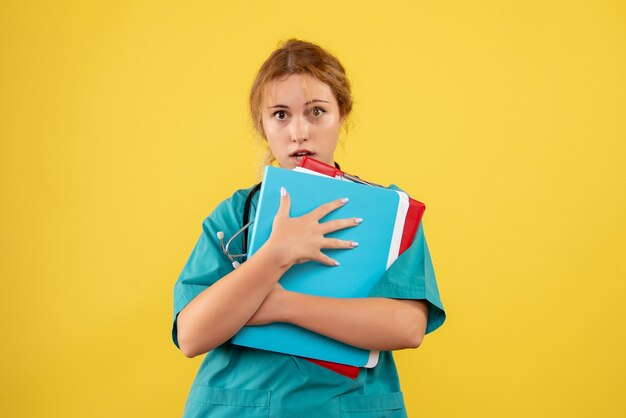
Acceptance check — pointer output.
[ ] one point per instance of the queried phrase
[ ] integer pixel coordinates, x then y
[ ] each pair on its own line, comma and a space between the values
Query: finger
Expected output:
333, 243
285, 204
323, 210
337, 224
324, 259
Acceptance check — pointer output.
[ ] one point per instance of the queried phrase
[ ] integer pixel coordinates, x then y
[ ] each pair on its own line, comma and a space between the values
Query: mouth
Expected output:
299, 154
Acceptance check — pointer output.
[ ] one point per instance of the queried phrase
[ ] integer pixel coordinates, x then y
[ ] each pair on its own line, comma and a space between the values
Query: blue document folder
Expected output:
360, 268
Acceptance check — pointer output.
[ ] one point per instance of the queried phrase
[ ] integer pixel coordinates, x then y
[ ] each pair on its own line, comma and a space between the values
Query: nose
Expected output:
299, 130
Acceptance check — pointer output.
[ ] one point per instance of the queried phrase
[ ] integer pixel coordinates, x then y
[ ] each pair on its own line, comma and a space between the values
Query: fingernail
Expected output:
354, 244
336, 263
283, 192
358, 220
344, 200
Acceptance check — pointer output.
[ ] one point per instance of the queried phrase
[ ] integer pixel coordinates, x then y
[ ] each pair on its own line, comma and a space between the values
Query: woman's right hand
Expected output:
301, 239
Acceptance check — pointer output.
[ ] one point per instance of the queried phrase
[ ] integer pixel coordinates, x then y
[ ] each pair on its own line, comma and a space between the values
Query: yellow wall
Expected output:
123, 124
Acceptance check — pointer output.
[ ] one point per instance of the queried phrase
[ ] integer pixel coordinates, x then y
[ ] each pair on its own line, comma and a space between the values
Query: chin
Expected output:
288, 165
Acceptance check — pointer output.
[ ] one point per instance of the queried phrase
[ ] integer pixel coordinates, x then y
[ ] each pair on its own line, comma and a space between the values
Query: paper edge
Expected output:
396, 238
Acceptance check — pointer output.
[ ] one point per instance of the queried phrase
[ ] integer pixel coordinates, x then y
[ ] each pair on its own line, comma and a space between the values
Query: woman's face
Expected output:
301, 117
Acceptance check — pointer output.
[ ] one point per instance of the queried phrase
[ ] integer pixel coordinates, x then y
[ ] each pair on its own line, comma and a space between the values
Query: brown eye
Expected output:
317, 112
280, 115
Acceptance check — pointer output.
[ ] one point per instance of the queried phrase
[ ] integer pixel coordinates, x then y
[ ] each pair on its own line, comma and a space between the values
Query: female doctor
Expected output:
299, 101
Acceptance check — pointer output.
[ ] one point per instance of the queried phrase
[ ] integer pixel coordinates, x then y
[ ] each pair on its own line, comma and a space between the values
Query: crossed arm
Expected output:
251, 295
369, 323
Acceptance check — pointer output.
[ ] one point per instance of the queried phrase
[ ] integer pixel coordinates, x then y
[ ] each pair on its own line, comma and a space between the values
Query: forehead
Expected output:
297, 89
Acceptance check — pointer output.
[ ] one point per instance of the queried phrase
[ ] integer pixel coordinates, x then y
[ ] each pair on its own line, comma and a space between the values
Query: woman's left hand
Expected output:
270, 310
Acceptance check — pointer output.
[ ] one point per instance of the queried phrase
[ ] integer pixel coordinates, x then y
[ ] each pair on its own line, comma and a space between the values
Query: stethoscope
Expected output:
246, 222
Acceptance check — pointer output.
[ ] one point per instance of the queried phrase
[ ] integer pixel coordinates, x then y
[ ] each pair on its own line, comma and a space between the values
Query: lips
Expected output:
299, 154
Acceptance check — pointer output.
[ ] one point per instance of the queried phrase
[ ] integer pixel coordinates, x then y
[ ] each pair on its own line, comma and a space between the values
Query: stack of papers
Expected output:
379, 236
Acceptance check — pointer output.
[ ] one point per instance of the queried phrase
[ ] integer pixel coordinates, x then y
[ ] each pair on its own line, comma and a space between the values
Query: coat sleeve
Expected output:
207, 263
412, 276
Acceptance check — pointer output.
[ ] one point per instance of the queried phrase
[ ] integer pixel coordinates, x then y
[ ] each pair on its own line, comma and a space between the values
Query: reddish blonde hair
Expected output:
300, 57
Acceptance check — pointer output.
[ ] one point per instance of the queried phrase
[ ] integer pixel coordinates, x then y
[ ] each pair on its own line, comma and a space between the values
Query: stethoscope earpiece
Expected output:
231, 257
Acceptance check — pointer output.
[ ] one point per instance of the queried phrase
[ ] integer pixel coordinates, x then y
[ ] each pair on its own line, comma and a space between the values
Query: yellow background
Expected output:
123, 123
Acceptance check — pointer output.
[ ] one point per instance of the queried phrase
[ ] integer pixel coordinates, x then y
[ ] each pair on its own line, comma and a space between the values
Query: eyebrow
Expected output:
281, 106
